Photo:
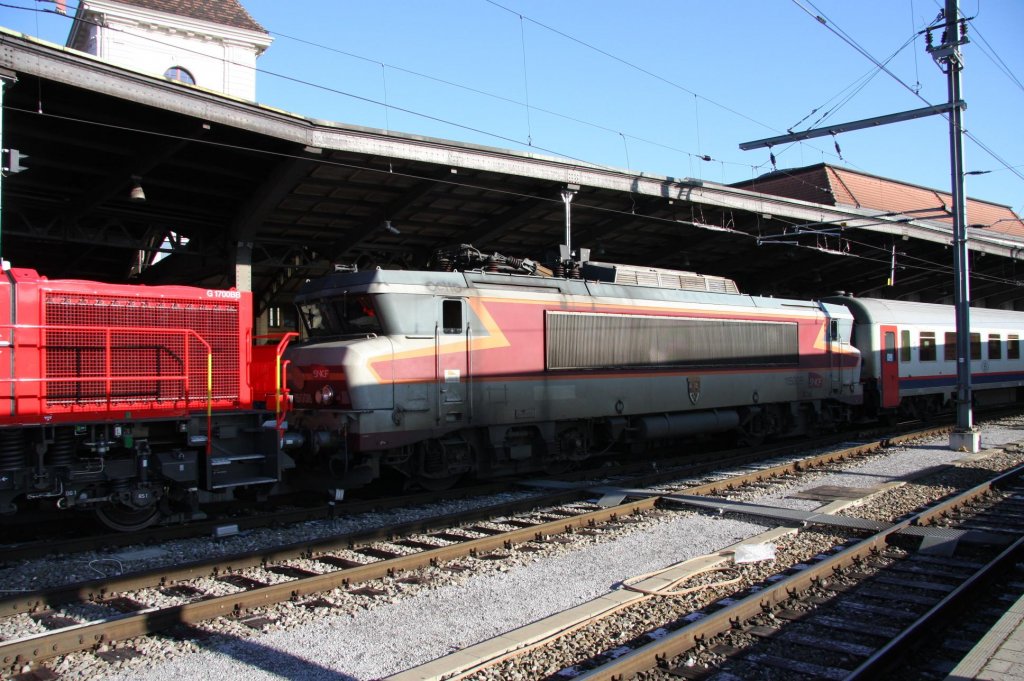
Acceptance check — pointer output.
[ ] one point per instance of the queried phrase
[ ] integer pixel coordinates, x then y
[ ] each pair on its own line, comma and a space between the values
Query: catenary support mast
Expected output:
965, 437
947, 55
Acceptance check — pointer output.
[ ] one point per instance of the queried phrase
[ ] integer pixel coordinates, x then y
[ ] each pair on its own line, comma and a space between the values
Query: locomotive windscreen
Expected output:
578, 340
347, 315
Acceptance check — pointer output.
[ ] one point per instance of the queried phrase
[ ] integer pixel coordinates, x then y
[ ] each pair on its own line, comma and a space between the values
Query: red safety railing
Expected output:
96, 370
268, 374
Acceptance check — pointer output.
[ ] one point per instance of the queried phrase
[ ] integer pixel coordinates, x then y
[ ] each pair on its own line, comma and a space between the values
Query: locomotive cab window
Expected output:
349, 315
927, 346
451, 316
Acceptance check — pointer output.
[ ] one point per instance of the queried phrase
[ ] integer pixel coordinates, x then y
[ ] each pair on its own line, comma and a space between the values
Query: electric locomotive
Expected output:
490, 368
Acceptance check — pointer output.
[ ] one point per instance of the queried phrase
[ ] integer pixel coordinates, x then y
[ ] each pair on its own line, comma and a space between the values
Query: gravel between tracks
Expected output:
367, 638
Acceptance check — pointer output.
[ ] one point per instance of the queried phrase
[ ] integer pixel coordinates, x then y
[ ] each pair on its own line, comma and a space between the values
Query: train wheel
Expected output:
125, 519
436, 484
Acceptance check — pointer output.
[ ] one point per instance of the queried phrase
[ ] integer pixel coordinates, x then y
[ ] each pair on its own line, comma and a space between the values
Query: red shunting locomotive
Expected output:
137, 402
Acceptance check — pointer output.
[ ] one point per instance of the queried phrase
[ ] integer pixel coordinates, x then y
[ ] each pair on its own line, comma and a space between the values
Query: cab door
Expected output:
889, 370
452, 348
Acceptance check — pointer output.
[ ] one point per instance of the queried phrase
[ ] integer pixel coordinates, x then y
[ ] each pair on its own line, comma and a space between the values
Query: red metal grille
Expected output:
144, 364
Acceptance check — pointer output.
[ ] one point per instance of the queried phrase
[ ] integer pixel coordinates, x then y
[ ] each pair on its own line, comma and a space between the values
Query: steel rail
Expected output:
892, 651
100, 588
85, 636
206, 528
661, 651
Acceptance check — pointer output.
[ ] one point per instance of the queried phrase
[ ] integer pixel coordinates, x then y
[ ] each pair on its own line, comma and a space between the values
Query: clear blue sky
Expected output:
649, 85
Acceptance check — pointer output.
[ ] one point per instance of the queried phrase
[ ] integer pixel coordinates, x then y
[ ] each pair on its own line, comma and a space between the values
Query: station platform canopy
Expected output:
137, 178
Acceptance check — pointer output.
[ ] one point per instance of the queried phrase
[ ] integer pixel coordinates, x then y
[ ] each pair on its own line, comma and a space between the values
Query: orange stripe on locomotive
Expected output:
508, 339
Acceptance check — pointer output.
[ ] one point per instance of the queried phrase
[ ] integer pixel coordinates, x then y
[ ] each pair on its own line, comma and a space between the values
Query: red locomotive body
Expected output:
78, 349
137, 402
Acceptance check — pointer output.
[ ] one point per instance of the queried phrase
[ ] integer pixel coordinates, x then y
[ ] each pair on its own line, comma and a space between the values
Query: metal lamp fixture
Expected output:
136, 193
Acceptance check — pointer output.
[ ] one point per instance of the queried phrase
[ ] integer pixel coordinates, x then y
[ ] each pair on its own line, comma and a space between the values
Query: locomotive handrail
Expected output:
437, 372
469, 368
108, 379
280, 392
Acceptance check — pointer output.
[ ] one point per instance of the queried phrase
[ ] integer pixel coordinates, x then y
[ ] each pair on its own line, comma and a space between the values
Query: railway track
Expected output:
85, 538
94, 615
853, 613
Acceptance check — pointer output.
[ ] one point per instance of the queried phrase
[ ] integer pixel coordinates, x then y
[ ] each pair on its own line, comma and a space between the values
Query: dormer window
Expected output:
180, 74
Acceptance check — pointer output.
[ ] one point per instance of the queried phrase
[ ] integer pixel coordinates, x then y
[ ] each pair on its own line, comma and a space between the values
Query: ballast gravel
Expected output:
371, 637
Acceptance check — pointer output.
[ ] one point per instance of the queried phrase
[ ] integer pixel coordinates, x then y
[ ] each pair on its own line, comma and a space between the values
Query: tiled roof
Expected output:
224, 12
827, 184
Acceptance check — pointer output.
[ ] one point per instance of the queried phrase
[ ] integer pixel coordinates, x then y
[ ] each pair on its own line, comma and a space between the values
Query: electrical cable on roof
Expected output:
626, 147
696, 118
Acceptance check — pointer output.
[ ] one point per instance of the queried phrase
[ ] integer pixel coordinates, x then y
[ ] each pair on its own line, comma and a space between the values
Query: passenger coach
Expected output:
909, 352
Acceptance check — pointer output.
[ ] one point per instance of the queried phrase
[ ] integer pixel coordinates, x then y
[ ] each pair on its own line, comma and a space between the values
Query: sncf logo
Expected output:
320, 372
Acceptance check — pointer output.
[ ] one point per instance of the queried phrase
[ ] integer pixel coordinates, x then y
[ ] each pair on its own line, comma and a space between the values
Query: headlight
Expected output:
325, 395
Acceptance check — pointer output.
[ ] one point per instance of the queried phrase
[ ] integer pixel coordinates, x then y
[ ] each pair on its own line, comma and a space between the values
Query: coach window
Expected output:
451, 316
949, 347
904, 346
890, 346
975, 346
927, 345
1013, 347
995, 346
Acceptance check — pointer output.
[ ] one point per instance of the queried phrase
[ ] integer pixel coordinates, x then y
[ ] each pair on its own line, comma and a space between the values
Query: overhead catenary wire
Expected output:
821, 18
649, 73
985, 48
526, 83
529, 143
